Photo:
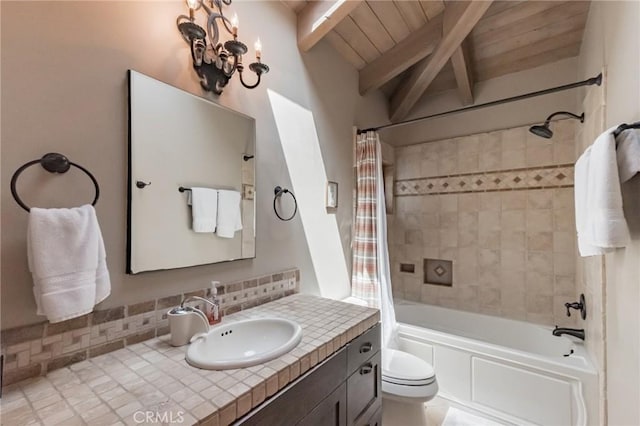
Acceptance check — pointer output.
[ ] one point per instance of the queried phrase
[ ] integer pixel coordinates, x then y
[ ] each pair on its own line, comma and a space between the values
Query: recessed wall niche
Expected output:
408, 267
438, 272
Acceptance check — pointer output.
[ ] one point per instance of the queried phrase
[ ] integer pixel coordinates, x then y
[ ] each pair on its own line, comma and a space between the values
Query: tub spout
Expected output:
559, 331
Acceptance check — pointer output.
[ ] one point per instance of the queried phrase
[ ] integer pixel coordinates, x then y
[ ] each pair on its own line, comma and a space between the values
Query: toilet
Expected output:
407, 378
407, 383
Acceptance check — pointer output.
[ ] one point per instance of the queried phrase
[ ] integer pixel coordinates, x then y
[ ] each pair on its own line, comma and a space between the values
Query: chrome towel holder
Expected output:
53, 163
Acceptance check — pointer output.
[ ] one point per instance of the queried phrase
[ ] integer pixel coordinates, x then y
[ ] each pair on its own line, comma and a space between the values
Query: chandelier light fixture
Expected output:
216, 62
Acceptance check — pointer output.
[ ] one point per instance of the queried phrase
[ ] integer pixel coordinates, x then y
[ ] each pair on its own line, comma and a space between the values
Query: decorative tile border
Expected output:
36, 349
557, 176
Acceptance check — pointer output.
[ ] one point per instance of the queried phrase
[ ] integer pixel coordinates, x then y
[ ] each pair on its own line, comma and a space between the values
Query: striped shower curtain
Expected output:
365, 282
371, 280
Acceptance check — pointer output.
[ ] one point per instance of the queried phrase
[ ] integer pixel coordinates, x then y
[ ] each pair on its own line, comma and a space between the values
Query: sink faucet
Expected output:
559, 331
186, 322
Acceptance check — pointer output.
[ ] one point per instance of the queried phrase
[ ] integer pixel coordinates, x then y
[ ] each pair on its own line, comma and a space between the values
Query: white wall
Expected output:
506, 116
64, 82
612, 41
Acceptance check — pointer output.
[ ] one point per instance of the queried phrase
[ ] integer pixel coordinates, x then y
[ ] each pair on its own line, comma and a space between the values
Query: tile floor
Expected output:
435, 412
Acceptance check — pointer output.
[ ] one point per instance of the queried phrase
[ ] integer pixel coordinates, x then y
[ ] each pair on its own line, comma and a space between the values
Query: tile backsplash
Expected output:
499, 205
36, 349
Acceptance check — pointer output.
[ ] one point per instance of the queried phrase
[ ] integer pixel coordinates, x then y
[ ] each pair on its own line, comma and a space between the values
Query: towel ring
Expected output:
53, 163
278, 192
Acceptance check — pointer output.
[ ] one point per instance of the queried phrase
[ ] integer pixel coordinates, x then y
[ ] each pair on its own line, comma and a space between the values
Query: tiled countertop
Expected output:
151, 381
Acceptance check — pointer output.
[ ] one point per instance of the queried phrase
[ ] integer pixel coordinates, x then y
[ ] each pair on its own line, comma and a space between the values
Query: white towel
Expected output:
67, 260
229, 214
581, 193
628, 154
600, 218
204, 209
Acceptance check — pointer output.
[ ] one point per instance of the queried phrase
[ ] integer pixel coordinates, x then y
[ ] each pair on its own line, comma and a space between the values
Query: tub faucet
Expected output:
559, 331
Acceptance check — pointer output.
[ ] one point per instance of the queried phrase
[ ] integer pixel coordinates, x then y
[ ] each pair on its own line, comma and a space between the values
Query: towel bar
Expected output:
621, 128
53, 163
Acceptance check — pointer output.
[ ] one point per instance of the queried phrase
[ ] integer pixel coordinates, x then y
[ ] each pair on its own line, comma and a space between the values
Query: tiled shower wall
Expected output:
498, 205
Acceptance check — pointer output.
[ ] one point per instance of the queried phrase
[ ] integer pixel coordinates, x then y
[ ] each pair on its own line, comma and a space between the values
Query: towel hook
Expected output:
53, 163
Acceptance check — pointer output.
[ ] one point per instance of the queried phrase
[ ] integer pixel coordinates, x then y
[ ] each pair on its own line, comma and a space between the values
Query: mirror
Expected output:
179, 140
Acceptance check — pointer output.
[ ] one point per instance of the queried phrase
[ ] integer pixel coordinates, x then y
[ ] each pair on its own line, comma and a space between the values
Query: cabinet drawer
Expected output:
330, 412
374, 420
362, 348
364, 390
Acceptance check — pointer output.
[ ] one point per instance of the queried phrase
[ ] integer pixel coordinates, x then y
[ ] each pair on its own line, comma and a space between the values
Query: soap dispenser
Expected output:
214, 315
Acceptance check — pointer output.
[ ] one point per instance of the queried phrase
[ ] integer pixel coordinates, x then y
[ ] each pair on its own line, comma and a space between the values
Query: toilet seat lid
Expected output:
404, 368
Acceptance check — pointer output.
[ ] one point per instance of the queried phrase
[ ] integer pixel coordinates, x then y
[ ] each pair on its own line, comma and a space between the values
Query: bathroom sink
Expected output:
243, 343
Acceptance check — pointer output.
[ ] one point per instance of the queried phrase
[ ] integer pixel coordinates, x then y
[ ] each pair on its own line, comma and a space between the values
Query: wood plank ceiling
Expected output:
391, 42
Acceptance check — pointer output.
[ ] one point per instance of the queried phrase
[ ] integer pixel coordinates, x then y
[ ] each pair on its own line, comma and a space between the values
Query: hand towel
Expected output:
204, 209
229, 214
628, 154
600, 218
581, 194
67, 261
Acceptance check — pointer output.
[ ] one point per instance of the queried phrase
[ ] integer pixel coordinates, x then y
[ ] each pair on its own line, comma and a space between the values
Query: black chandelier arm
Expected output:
226, 23
214, 33
215, 15
245, 84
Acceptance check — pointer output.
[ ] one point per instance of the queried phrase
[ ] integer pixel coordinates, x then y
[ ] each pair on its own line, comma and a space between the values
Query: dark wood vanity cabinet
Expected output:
344, 390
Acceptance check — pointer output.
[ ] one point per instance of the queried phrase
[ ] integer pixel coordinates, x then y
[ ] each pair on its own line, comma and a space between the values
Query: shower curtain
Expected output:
371, 281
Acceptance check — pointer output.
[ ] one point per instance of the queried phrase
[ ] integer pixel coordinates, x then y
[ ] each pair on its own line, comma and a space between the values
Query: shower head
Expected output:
544, 131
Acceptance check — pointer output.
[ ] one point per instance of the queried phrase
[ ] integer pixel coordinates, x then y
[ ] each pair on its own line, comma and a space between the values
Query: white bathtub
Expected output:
512, 370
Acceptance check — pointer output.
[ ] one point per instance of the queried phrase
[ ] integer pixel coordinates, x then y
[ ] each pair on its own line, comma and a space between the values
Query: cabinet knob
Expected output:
366, 368
366, 347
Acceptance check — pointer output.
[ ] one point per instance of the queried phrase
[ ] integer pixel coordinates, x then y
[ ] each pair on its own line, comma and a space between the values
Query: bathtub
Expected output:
511, 370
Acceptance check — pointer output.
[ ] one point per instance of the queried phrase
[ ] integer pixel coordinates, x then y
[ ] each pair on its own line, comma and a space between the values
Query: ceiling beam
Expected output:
318, 18
462, 70
416, 46
459, 18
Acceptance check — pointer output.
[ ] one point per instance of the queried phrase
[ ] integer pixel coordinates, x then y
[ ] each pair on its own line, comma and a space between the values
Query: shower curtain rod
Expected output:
588, 82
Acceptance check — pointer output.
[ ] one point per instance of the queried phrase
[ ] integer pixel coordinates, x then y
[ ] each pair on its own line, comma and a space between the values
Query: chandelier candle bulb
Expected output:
234, 25
193, 4
258, 47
